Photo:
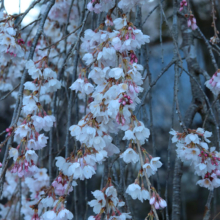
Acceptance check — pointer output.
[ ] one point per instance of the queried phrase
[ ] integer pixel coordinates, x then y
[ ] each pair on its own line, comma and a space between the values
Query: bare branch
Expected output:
35, 21
26, 12
147, 179
4, 97
151, 12
153, 84
62, 38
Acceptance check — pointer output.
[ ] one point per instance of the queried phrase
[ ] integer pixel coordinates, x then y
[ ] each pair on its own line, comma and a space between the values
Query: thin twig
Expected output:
154, 83
176, 200
4, 97
3, 132
168, 159
86, 198
71, 50
151, 12
62, 38
206, 42
67, 23
216, 216
25, 13
10, 16
207, 206
207, 114
70, 104
31, 23
176, 55
209, 48
147, 179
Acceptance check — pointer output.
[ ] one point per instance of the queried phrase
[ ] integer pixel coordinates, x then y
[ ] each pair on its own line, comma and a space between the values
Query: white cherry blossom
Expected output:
99, 202
120, 23
130, 156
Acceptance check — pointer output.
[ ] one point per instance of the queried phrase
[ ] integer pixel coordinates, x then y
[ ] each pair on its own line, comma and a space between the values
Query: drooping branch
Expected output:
18, 104
146, 177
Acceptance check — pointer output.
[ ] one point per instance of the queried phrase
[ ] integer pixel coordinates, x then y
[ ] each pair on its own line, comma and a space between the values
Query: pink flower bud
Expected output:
133, 36
213, 83
217, 172
152, 200
136, 89
189, 22
29, 43
35, 217
194, 26
54, 183
122, 120
25, 163
162, 203
156, 205
20, 168
117, 118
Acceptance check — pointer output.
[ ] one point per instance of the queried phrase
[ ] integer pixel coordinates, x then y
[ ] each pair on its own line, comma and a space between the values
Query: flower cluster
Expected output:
137, 192
193, 147
99, 6
112, 98
60, 185
35, 119
56, 19
152, 165
34, 186
12, 50
191, 22
182, 4
11, 44
106, 5
157, 201
106, 201
63, 213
